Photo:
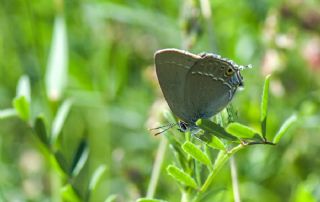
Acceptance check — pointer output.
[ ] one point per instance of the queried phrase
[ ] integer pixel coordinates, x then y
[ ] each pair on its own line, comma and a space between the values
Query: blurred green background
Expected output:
99, 54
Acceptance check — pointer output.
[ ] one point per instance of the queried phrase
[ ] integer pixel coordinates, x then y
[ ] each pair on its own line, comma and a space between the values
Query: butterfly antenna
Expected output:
166, 127
249, 66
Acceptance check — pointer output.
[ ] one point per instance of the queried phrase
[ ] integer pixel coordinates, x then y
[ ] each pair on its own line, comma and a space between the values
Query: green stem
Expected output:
234, 177
222, 158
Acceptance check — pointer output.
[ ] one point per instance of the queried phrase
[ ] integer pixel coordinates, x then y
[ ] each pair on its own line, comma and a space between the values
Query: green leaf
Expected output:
284, 128
149, 200
211, 140
196, 153
69, 194
22, 107
181, 176
241, 131
40, 129
59, 120
80, 157
215, 129
264, 106
57, 67
21, 102
96, 177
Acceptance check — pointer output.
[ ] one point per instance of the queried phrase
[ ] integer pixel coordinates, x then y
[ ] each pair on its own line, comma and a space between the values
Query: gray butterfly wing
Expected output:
208, 89
172, 66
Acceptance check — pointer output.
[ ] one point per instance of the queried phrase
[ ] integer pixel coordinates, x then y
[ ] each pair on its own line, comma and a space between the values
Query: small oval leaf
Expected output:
196, 153
22, 107
181, 176
241, 131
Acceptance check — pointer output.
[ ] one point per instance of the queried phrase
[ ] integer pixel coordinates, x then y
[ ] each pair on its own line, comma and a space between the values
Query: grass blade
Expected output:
264, 106
284, 128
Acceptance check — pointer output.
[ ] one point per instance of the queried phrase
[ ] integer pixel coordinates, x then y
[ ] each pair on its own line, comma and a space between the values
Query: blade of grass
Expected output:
264, 106
284, 128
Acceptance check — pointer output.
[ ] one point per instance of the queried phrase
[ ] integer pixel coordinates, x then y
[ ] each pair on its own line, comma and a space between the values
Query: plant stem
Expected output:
235, 183
221, 159
157, 167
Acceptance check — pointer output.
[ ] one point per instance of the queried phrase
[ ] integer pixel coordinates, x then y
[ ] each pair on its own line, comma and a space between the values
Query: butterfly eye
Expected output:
229, 71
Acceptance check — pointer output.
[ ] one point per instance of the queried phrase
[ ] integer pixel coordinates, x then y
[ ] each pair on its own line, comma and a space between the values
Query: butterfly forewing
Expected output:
172, 66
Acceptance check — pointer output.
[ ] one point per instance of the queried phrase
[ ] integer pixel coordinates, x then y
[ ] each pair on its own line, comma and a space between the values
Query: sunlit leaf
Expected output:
241, 131
22, 107
181, 176
196, 153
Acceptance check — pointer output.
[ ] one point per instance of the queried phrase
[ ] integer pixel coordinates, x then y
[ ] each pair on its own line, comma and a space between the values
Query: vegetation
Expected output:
78, 94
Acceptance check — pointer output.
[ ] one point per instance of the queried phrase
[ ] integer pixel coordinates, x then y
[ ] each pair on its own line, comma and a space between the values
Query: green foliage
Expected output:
241, 131
22, 107
284, 127
78, 91
214, 129
181, 176
196, 153
264, 106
